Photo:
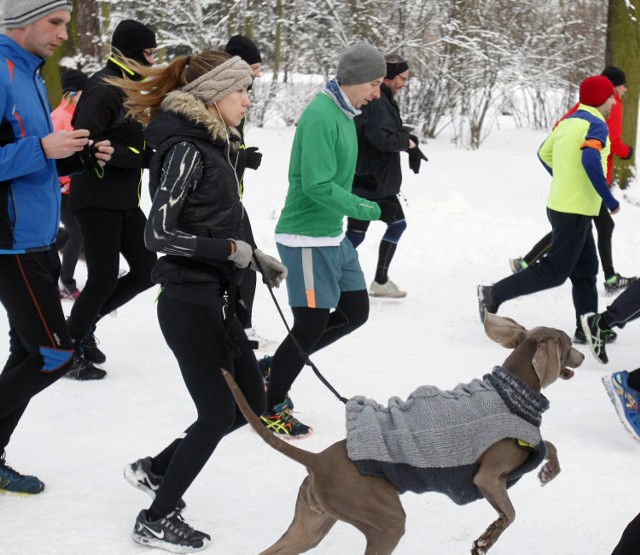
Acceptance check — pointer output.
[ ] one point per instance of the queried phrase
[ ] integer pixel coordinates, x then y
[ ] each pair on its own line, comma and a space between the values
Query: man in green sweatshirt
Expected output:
326, 286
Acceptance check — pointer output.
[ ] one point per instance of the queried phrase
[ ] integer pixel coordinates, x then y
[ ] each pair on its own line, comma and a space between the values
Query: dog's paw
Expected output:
547, 473
478, 547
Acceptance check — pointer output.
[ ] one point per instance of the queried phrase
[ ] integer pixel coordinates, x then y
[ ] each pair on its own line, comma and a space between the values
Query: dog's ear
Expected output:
547, 360
503, 330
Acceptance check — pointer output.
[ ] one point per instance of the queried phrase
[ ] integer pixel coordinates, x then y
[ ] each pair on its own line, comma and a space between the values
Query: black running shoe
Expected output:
579, 339
12, 481
89, 346
594, 335
486, 301
140, 475
170, 532
617, 282
84, 370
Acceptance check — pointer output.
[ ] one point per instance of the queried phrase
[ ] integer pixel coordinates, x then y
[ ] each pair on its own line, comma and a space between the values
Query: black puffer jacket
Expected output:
100, 110
196, 207
381, 138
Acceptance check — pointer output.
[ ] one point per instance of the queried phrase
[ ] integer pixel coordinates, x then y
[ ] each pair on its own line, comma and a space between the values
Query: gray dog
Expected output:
400, 448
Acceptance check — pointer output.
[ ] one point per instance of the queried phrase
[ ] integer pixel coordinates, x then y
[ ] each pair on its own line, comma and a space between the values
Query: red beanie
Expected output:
595, 90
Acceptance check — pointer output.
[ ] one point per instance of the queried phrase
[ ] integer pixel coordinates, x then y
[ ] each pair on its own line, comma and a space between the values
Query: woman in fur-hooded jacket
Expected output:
196, 222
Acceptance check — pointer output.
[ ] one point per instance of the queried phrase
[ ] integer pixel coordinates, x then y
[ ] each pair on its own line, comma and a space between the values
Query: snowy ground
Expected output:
468, 212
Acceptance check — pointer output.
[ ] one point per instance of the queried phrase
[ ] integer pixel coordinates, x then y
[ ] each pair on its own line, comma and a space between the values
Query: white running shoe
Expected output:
263, 343
388, 289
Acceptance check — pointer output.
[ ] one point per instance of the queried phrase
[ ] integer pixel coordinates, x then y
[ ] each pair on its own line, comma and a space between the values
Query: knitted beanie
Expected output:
395, 67
595, 90
244, 47
73, 80
131, 38
615, 75
360, 64
220, 81
18, 13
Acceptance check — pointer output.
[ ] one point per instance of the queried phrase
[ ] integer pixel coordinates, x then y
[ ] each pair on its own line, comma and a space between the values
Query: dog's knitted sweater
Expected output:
431, 441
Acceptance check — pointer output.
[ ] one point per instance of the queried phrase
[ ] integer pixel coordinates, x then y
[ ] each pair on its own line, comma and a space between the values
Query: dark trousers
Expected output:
72, 246
247, 286
604, 225
40, 349
624, 308
314, 329
572, 255
195, 334
107, 234
630, 541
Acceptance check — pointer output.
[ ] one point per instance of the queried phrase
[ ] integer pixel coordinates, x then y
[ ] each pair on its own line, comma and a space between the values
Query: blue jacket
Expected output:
29, 187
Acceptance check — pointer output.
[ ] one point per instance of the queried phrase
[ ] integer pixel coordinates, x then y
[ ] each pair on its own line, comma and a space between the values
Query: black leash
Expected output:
301, 352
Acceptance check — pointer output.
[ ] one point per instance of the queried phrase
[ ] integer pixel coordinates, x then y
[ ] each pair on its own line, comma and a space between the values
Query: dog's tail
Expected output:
299, 455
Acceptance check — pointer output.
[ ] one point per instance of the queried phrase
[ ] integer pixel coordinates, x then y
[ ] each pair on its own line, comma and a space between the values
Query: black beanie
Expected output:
73, 80
131, 38
615, 75
396, 68
240, 45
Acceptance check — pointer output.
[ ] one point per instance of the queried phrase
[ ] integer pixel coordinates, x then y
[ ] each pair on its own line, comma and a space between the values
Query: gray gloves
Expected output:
271, 268
242, 255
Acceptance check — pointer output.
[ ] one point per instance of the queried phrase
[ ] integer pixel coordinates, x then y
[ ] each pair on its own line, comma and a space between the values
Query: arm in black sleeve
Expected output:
182, 172
98, 110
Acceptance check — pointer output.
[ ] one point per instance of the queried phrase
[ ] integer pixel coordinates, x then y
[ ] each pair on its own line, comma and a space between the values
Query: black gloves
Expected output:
415, 157
388, 210
253, 158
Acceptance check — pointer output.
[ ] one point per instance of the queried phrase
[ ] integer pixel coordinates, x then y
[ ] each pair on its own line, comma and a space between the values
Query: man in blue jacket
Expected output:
40, 349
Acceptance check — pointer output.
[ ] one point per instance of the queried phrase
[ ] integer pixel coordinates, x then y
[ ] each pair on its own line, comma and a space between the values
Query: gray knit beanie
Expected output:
220, 81
18, 13
360, 64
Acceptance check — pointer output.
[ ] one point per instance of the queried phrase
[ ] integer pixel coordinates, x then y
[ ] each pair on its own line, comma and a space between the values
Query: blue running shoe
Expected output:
14, 482
625, 400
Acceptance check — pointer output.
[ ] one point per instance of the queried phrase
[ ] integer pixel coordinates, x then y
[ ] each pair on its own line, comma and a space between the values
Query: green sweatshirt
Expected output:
321, 169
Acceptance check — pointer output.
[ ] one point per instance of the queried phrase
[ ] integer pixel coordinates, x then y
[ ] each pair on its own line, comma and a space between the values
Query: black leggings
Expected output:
195, 334
314, 329
630, 541
106, 234
72, 246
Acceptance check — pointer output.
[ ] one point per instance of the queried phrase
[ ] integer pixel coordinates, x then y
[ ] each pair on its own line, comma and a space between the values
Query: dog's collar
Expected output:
518, 396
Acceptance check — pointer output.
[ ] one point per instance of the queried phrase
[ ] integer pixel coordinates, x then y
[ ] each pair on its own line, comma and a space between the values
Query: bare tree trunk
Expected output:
623, 44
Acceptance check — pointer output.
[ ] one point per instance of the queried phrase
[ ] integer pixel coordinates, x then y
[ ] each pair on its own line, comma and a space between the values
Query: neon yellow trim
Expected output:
134, 150
121, 65
523, 443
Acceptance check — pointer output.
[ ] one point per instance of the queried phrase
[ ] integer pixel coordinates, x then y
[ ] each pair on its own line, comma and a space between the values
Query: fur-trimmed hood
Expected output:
183, 114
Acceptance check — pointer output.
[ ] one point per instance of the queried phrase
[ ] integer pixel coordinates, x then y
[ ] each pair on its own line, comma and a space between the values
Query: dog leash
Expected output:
299, 348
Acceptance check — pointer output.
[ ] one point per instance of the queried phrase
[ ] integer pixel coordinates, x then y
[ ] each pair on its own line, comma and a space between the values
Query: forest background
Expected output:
471, 60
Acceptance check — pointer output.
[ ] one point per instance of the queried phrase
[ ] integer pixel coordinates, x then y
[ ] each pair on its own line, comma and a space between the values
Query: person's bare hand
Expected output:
104, 151
62, 144
412, 144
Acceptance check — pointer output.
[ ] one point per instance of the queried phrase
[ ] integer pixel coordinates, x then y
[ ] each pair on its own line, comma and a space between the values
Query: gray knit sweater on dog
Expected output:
431, 441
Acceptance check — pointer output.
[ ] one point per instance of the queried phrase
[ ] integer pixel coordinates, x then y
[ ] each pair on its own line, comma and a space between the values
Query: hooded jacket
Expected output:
196, 203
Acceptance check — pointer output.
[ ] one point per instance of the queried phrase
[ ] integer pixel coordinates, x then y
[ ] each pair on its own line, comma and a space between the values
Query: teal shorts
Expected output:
318, 275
